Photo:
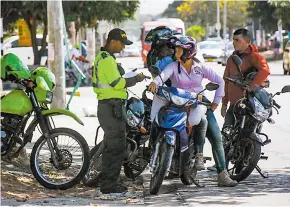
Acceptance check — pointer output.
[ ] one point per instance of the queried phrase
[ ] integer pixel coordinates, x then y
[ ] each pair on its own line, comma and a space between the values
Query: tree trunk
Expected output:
55, 53
91, 44
72, 30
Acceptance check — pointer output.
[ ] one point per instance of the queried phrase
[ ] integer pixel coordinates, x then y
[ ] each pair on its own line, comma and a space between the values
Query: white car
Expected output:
211, 51
25, 54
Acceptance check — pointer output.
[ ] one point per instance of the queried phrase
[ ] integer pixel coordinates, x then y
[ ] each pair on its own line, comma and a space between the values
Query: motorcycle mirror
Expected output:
212, 86
237, 60
285, 89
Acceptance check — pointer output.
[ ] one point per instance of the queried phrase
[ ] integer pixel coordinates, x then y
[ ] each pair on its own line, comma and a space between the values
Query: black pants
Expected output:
115, 145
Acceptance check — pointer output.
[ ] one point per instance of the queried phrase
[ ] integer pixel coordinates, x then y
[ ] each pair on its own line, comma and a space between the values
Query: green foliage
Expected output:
89, 12
171, 11
270, 12
196, 31
34, 13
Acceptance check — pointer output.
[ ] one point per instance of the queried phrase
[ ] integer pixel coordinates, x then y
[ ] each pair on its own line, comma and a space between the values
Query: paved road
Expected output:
255, 191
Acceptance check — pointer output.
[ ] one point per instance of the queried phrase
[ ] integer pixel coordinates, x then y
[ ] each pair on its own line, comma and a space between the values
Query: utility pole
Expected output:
56, 51
225, 20
218, 24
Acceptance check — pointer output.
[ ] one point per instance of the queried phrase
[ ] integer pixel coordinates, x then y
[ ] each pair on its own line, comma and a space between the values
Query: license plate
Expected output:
209, 60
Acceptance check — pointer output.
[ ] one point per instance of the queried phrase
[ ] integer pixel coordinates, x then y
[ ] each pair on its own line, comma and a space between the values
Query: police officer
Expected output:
110, 88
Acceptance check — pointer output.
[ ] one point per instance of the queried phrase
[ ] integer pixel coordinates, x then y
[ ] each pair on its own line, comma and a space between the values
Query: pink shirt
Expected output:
191, 82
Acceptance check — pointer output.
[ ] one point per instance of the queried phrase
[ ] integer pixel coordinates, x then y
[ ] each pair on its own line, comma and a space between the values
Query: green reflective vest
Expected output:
107, 81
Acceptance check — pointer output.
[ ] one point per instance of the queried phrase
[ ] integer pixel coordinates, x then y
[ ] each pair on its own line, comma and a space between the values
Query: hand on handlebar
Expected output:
153, 87
213, 107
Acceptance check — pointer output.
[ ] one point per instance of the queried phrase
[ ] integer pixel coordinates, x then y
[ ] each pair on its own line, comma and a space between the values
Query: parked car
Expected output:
130, 51
210, 50
227, 52
11, 45
286, 58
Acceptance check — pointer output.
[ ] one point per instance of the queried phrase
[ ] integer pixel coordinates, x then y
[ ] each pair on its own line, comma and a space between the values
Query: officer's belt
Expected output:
109, 101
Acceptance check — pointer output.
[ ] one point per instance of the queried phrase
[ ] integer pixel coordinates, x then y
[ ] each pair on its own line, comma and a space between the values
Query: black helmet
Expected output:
135, 111
159, 35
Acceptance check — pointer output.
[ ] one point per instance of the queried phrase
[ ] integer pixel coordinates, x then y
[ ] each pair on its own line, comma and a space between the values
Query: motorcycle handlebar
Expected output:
239, 83
275, 104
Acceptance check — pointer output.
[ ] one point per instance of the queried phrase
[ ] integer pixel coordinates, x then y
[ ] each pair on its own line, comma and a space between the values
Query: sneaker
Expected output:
224, 180
212, 168
199, 164
117, 189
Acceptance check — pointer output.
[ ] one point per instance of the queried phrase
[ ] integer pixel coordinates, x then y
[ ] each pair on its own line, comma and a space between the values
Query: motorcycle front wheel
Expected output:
163, 161
72, 158
240, 169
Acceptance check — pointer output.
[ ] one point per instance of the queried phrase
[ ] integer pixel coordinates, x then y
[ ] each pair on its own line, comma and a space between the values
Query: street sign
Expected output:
23, 33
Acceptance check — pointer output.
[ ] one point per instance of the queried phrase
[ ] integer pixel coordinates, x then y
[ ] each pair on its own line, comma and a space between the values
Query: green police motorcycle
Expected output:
56, 163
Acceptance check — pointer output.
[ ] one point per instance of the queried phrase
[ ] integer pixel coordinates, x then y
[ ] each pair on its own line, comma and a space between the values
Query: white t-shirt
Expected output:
74, 54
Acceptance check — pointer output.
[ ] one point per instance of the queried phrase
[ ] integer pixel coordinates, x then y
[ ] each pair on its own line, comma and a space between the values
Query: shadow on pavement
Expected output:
255, 186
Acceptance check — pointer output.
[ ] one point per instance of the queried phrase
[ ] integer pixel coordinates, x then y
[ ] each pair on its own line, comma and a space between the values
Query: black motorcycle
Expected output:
137, 148
243, 140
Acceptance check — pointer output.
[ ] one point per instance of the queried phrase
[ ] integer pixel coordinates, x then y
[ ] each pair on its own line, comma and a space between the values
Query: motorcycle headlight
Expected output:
260, 114
49, 96
132, 120
178, 100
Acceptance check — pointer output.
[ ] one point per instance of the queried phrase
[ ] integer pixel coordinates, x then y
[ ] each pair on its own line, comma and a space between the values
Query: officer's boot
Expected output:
184, 168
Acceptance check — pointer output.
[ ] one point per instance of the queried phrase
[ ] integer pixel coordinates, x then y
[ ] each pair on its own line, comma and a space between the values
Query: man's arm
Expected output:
225, 99
114, 77
261, 64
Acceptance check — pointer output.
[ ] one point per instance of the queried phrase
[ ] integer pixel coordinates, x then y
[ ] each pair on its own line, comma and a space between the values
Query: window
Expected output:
15, 43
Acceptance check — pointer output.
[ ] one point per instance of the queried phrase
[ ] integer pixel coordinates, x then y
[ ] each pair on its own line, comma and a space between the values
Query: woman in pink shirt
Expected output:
187, 73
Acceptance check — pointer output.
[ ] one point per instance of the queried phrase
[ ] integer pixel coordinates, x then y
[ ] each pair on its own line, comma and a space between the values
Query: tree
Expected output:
171, 11
263, 11
196, 31
34, 14
89, 12
204, 12
282, 9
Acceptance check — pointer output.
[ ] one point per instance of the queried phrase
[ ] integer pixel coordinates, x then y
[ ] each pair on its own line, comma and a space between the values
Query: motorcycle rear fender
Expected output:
256, 137
52, 112
170, 137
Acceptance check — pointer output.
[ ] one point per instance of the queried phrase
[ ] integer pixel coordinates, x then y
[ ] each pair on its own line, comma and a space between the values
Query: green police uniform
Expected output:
111, 93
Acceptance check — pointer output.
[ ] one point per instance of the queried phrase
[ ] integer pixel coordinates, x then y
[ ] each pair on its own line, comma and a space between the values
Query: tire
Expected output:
85, 158
243, 173
95, 153
165, 156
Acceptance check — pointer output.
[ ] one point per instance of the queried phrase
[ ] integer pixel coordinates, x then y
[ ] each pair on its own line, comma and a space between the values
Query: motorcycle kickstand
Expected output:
263, 174
196, 182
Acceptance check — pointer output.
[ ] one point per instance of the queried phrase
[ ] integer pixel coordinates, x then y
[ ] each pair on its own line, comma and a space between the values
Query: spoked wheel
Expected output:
71, 153
242, 164
93, 174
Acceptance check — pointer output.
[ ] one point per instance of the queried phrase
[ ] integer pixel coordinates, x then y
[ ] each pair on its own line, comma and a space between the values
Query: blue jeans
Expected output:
214, 136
